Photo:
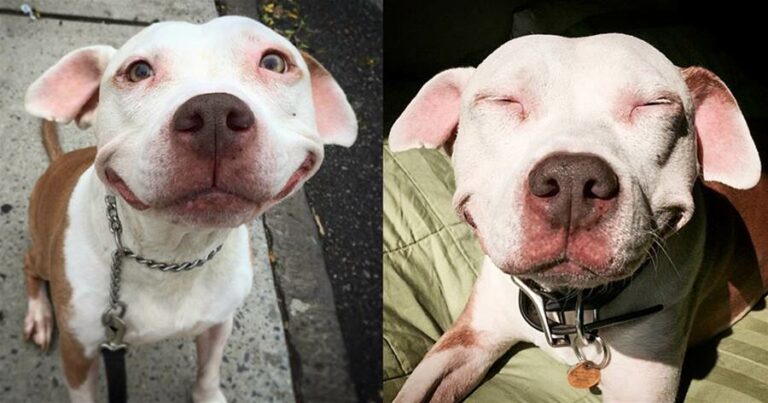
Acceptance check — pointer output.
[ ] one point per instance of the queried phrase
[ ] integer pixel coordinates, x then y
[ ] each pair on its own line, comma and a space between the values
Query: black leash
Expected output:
114, 366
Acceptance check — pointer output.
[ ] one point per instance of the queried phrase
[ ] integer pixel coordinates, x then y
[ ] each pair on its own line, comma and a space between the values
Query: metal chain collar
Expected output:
112, 317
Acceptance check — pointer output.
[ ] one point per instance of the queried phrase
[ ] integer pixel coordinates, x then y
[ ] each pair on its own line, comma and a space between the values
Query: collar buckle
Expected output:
553, 339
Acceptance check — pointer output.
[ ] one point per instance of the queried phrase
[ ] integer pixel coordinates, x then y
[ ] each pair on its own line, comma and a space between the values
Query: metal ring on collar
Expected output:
603, 349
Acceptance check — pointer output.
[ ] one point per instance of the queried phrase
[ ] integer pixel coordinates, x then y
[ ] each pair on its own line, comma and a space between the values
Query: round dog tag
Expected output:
584, 375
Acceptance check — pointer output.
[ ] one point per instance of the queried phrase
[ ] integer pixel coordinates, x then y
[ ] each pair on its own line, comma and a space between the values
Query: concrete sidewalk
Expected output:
257, 363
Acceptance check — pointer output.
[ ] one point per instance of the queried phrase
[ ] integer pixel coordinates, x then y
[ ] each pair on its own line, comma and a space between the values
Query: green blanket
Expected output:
430, 262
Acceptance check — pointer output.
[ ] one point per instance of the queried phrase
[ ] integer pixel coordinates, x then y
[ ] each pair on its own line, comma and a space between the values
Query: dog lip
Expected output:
213, 191
561, 265
125, 191
301, 172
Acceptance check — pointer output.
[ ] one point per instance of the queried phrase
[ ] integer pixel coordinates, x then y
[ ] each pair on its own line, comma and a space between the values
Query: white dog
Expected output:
200, 129
576, 165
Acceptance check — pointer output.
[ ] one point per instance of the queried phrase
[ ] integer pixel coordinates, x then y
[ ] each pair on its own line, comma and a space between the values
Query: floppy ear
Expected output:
336, 120
433, 115
726, 151
70, 89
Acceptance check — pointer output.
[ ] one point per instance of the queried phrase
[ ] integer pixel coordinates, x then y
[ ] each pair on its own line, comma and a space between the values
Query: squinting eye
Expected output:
140, 70
660, 101
273, 62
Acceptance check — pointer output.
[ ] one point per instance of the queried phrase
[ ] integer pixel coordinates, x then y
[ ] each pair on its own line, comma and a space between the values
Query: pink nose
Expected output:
573, 190
212, 123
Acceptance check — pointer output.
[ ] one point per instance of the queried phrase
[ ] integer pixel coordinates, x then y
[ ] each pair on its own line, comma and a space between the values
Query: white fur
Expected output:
160, 305
210, 351
570, 101
133, 124
38, 324
86, 393
570, 90
129, 123
651, 349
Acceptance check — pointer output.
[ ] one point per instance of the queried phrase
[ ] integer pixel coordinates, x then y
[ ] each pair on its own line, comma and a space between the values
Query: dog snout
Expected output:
211, 123
573, 190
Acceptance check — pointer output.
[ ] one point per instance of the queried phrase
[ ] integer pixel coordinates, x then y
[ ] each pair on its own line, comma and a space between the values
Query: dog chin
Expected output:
213, 208
570, 275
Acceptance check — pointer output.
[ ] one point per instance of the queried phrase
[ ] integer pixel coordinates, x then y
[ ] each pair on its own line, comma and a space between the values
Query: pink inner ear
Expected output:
77, 80
433, 118
726, 150
336, 121
66, 90
433, 115
723, 136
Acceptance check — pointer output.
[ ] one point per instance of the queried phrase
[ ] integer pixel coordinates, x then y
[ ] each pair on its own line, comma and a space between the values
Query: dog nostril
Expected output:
604, 188
544, 187
238, 120
191, 122
551, 188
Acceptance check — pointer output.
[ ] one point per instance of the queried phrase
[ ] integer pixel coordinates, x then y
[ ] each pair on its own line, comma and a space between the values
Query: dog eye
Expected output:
139, 71
464, 213
660, 101
273, 62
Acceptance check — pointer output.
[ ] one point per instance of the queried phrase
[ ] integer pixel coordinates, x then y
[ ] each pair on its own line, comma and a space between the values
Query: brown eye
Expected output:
273, 62
140, 70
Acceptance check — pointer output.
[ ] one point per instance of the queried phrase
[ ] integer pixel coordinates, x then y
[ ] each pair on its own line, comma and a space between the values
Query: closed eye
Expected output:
506, 100
514, 105
659, 101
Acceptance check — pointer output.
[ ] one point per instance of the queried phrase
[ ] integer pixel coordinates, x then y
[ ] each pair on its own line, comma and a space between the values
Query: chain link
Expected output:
116, 309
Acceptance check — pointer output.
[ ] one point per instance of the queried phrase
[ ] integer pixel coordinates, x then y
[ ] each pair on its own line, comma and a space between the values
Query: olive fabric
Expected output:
430, 260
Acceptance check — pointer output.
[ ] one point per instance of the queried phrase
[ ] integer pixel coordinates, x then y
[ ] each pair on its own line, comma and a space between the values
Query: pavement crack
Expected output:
78, 18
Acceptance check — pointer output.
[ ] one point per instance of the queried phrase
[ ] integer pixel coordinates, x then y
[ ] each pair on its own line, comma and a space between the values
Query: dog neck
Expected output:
147, 233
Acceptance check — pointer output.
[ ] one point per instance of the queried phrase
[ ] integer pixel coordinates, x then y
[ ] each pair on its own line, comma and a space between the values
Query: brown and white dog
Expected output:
572, 158
200, 129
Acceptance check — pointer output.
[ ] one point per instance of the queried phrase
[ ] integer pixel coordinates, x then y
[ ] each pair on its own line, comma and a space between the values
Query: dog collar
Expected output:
114, 347
536, 303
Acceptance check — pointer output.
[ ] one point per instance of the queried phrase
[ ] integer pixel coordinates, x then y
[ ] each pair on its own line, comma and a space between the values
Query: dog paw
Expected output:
208, 395
38, 324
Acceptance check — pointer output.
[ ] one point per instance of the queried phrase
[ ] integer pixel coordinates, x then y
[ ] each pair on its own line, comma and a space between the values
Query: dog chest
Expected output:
159, 305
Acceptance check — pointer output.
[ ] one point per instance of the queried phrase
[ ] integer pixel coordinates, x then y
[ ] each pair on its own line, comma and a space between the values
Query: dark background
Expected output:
727, 38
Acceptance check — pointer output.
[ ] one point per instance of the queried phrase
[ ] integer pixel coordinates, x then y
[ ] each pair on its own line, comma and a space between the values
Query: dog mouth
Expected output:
565, 271
125, 191
212, 198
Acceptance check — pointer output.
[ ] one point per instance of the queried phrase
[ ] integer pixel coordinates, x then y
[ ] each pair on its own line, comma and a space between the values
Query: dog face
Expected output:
206, 125
574, 156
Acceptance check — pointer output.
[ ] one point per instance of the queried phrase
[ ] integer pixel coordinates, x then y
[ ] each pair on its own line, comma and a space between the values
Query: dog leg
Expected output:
38, 324
462, 356
210, 351
81, 372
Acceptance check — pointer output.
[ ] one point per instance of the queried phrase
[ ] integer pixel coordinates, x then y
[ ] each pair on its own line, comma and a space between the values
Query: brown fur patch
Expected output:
461, 334
45, 259
735, 272
703, 83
